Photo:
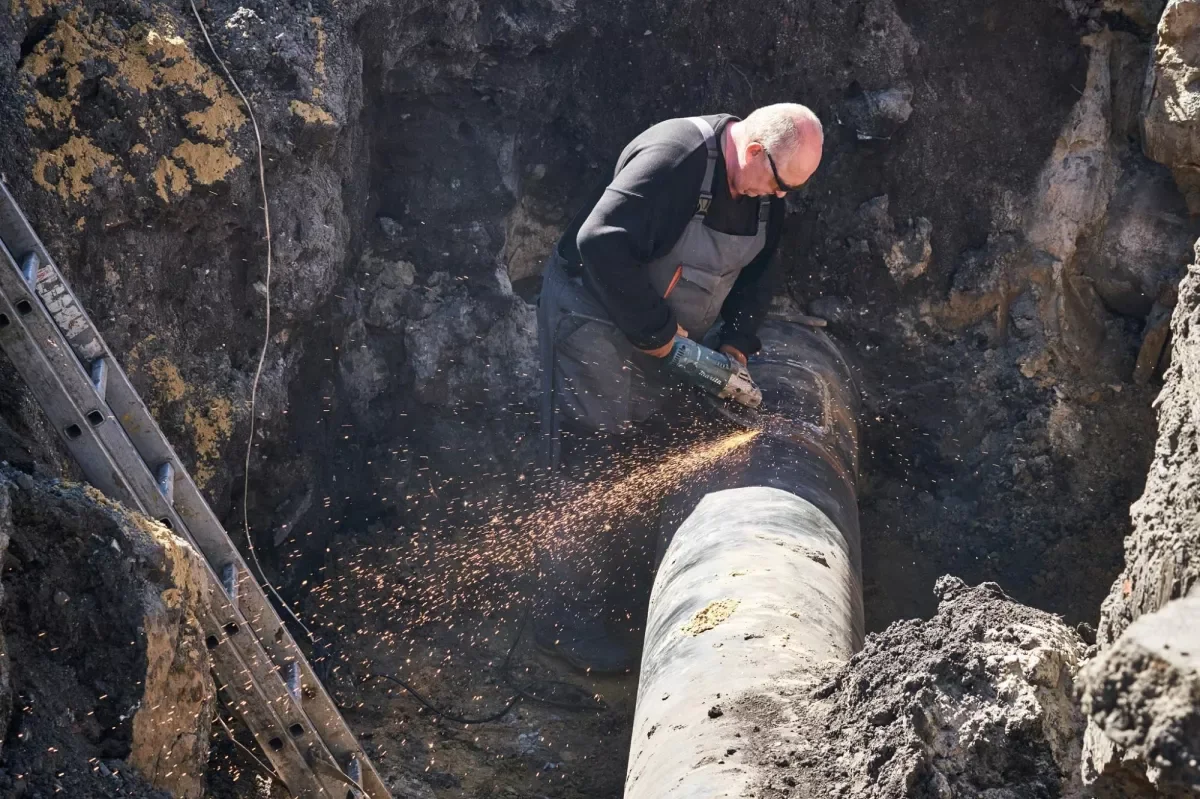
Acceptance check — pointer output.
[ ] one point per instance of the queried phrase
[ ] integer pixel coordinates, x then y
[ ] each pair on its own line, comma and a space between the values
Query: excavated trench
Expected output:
986, 238
992, 439
1000, 442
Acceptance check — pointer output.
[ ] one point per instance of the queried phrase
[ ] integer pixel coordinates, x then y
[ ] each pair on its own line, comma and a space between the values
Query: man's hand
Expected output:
734, 352
665, 350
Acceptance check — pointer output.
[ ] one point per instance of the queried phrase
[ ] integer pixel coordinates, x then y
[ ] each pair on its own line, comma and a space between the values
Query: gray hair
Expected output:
778, 127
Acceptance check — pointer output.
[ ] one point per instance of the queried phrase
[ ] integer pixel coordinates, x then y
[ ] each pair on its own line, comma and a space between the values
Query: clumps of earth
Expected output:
976, 701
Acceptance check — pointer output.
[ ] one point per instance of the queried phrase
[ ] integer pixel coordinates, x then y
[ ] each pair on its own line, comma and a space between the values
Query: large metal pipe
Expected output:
760, 583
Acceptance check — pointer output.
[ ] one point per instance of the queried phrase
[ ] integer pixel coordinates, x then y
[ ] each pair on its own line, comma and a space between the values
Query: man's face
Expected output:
764, 173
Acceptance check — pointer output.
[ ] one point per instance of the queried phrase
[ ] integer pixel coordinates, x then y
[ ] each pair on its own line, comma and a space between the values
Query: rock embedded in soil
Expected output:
910, 252
976, 700
879, 114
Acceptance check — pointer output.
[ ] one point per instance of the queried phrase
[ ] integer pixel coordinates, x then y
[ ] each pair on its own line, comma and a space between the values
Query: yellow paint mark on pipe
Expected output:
710, 616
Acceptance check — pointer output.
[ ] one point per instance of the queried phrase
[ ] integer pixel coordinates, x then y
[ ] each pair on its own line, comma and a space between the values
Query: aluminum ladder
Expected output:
109, 431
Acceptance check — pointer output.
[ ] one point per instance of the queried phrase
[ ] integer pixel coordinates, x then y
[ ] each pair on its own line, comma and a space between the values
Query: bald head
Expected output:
778, 147
784, 127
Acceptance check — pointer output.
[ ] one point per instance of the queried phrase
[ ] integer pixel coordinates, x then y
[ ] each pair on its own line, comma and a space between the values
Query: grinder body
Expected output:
714, 372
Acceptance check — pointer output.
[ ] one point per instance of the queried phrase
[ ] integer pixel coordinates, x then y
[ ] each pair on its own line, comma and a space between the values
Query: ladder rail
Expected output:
134, 441
133, 479
50, 394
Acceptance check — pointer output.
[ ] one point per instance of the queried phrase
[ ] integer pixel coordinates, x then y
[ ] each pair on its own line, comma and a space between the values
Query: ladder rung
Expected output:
99, 373
45, 384
294, 684
240, 678
354, 772
29, 267
229, 580
164, 475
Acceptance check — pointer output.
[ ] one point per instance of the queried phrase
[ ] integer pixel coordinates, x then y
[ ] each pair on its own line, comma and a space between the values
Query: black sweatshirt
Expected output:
640, 216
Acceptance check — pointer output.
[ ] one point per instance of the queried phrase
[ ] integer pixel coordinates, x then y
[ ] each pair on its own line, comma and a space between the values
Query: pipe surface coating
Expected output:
760, 583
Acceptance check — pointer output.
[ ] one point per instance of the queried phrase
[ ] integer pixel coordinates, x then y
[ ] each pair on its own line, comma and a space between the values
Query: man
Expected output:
681, 237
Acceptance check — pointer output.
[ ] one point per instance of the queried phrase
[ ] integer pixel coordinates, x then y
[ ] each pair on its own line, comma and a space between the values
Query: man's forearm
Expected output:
632, 303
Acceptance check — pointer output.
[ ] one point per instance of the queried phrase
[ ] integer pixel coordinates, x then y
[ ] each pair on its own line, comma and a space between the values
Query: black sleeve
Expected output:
750, 296
639, 217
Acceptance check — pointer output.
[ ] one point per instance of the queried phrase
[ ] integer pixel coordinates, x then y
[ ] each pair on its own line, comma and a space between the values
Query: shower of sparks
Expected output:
473, 579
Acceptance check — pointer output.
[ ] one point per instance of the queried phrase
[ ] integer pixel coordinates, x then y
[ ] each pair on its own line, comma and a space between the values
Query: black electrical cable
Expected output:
437, 711
572, 706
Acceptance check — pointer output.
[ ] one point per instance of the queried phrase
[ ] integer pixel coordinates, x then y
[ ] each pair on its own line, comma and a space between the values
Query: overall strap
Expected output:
706, 187
764, 214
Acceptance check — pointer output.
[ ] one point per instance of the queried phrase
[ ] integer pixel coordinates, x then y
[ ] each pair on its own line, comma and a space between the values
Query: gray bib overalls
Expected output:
591, 372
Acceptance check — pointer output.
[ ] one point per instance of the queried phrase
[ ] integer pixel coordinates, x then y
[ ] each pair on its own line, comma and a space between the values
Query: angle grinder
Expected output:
716, 373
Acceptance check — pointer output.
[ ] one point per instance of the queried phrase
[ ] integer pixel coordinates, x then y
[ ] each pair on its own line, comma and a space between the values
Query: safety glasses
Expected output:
775, 172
